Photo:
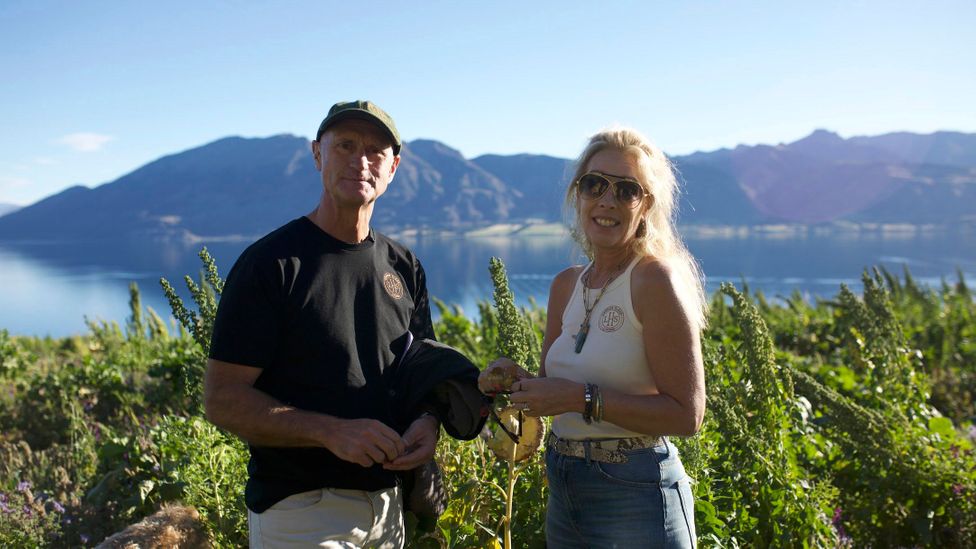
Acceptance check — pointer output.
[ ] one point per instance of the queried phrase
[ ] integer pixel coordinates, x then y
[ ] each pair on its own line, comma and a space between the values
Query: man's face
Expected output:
357, 162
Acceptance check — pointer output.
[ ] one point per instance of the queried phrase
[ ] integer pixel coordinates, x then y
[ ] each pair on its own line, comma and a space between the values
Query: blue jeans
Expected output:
645, 502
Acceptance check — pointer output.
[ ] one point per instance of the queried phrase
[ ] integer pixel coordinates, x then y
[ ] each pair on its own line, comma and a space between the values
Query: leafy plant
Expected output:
843, 422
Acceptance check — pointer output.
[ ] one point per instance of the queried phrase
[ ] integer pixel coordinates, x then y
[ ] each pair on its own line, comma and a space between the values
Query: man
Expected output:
310, 318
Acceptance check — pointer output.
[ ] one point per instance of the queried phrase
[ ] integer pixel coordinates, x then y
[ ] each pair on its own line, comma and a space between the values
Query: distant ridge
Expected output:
823, 178
242, 188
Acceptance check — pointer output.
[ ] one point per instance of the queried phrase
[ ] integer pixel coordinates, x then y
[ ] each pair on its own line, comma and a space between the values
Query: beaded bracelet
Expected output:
588, 399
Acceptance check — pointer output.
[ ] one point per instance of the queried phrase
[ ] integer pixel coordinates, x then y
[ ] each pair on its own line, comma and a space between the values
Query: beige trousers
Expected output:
331, 518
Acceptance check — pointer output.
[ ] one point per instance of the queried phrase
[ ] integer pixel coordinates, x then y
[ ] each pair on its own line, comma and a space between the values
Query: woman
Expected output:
621, 358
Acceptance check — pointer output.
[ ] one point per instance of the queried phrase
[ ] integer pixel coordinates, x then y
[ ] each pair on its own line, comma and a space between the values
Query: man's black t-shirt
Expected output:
319, 316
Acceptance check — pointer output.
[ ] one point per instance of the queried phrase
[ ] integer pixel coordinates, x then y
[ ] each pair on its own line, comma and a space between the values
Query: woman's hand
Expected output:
500, 376
547, 396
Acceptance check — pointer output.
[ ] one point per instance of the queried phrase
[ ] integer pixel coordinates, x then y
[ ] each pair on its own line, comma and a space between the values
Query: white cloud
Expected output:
85, 142
9, 187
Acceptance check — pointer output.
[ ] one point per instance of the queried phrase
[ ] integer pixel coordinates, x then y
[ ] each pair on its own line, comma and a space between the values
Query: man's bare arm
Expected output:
233, 403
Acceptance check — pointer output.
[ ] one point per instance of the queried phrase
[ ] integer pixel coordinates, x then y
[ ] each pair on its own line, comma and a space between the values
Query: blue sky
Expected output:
92, 90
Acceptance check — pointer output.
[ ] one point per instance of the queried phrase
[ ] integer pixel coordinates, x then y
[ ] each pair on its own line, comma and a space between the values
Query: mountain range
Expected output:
246, 187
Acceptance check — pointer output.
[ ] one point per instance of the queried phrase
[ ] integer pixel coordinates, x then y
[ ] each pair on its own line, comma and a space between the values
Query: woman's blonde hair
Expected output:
657, 235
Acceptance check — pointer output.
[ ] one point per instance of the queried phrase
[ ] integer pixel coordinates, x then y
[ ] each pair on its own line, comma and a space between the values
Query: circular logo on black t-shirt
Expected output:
392, 285
611, 319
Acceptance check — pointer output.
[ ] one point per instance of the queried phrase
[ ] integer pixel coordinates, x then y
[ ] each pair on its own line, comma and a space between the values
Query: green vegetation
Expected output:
844, 422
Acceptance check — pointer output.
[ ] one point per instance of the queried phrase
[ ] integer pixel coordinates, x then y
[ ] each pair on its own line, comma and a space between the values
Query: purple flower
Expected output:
28, 511
3, 497
4, 507
841, 533
58, 507
84, 538
957, 489
23, 486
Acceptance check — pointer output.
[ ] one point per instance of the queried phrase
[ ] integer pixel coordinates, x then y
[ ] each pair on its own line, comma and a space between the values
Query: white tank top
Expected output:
613, 355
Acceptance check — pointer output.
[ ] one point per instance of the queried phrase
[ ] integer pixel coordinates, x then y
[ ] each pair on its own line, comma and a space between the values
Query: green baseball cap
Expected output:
363, 110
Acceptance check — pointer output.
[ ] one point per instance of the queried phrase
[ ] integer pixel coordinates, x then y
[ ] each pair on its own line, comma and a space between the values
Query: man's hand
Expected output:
233, 403
365, 441
421, 441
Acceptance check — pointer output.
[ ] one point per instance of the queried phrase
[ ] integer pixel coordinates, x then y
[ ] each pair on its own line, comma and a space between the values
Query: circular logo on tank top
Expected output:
392, 285
611, 319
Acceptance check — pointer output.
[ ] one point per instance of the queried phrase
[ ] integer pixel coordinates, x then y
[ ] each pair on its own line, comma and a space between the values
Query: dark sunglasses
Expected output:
592, 185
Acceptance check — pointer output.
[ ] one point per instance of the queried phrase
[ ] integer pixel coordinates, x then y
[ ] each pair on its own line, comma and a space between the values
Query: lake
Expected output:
49, 289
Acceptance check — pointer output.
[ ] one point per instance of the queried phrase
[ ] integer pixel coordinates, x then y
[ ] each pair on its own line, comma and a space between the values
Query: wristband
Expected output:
588, 403
598, 404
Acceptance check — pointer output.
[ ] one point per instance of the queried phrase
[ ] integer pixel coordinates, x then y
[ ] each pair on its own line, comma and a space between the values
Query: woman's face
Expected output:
607, 223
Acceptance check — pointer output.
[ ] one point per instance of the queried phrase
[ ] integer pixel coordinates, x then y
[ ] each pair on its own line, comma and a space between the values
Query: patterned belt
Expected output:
610, 450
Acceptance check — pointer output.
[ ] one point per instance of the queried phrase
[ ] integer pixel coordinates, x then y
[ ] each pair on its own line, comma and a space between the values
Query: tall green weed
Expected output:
838, 422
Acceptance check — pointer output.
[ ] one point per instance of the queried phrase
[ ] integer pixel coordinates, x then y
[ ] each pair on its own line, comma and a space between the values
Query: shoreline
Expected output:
540, 229
772, 231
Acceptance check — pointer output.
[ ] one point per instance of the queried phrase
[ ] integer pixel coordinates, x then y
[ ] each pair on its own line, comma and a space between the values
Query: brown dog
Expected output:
173, 526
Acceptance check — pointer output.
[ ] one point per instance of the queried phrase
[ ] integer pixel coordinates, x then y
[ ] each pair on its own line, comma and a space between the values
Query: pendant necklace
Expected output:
585, 325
